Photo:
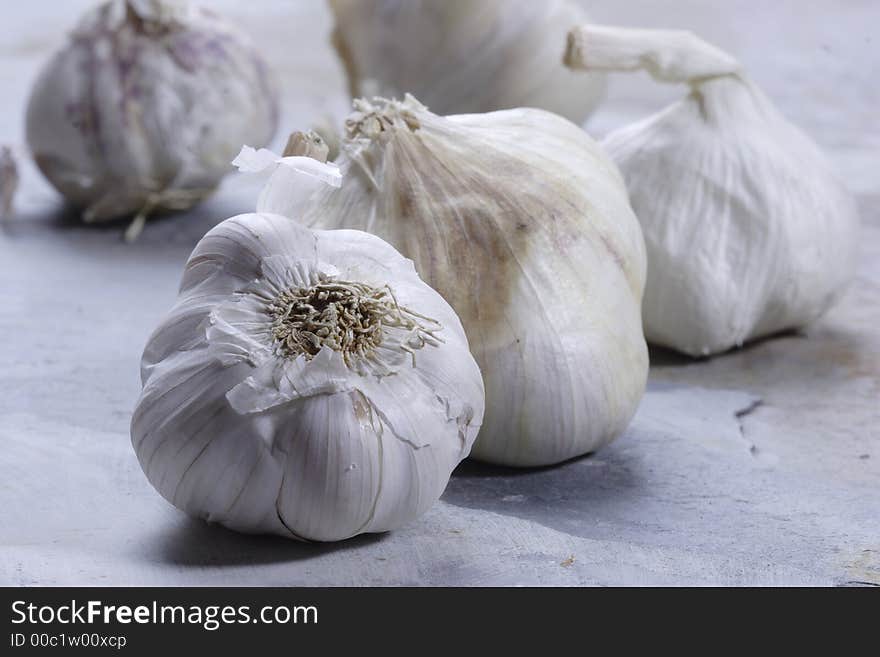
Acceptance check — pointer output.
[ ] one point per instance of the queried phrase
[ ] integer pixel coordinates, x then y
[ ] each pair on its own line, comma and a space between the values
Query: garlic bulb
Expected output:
462, 56
748, 230
144, 107
306, 384
522, 223
8, 181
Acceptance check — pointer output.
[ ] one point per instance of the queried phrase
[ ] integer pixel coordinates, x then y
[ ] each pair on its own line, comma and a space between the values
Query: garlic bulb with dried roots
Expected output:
461, 56
306, 384
145, 105
523, 224
748, 229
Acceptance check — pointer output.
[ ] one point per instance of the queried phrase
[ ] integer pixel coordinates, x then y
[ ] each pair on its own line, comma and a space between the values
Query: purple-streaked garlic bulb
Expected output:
144, 107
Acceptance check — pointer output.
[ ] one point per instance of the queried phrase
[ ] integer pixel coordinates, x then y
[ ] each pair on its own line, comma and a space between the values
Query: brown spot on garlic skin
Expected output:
469, 229
462, 243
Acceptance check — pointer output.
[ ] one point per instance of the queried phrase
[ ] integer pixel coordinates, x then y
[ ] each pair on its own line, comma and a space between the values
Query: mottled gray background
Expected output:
758, 467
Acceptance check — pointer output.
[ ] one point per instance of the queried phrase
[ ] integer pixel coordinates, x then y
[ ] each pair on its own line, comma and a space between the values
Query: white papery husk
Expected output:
522, 223
461, 56
145, 105
748, 229
229, 429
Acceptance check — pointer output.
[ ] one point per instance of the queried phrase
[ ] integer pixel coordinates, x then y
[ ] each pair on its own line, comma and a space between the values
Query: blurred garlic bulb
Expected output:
145, 106
748, 230
461, 56
522, 223
306, 384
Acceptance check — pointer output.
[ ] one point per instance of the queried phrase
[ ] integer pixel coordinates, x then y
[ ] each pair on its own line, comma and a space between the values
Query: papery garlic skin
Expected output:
748, 229
234, 428
145, 105
522, 223
460, 56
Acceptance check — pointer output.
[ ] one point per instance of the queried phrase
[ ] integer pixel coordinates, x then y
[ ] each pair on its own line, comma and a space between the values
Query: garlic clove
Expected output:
748, 230
326, 435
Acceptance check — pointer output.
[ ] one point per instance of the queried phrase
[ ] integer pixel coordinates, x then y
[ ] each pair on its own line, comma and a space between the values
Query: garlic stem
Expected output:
668, 55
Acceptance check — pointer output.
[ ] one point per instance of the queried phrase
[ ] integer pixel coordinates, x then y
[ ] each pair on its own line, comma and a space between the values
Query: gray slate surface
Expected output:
758, 467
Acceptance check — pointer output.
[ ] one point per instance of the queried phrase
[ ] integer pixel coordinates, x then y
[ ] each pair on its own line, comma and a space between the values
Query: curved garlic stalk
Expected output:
144, 106
522, 223
748, 230
668, 55
461, 56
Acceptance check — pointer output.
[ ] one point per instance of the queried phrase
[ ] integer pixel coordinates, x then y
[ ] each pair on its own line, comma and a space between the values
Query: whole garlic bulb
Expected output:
306, 384
748, 230
522, 223
461, 56
145, 106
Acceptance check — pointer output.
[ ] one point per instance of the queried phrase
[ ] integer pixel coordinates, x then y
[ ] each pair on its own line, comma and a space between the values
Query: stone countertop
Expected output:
761, 466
